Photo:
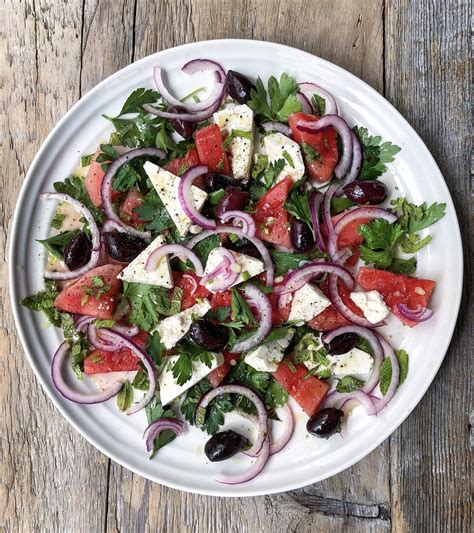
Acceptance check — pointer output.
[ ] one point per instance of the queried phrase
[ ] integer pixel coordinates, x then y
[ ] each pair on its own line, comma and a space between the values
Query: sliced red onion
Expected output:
70, 394
95, 236
314, 203
224, 275
355, 164
252, 472
186, 197
345, 133
305, 103
203, 65
327, 219
216, 95
256, 297
394, 382
418, 314
193, 282
363, 212
341, 256
331, 106
299, 277
267, 260
342, 308
373, 339
271, 125
188, 117
249, 394
285, 414
99, 343
106, 186
155, 428
124, 342
178, 250
112, 225
339, 399
81, 322
128, 331
248, 223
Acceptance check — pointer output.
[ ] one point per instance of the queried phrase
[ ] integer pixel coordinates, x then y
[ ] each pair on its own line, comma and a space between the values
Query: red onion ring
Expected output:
355, 164
363, 212
188, 117
304, 274
193, 282
186, 197
306, 106
339, 399
315, 202
271, 125
95, 234
228, 276
267, 260
285, 414
373, 339
331, 106
77, 397
155, 428
253, 397
217, 92
124, 342
202, 65
342, 308
107, 186
418, 314
98, 342
112, 225
128, 331
327, 219
256, 297
248, 223
341, 256
177, 250
394, 382
81, 322
345, 133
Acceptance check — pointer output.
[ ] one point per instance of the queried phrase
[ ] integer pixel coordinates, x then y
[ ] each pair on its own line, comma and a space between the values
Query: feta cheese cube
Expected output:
278, 146
174, 328
372, 305
249, 266
353, 362
234, 119
135, 271
167, 185
170, 390
307, 303
265, 358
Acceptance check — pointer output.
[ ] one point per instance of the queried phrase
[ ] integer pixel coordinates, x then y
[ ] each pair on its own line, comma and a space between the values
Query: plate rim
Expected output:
22, 330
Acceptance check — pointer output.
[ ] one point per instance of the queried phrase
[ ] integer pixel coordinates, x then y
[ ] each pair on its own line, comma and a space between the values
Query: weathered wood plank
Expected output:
50, 476
428, 80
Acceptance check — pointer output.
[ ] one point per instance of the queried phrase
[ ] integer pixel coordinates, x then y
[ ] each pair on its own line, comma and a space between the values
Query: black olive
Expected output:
224, 445
366, 192
325, 422
238, 86
301, 235
77, 252
183, 127
243, 246
123, 247
232, 200
208, 335
341, 344
214, 181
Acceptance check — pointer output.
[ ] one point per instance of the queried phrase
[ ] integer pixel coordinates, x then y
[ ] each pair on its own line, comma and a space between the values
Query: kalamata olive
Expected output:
208, 335
341, 344
243, 246
184, 128
232, 200
325, 422
77, 252
301, 236
366, 192
238, 86
224, 445
214, 181
123, 247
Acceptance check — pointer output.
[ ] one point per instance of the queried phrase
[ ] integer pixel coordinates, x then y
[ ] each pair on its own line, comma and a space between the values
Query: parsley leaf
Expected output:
125, 396
282, 97
272, 172
241, 310
154, 411
380, 239
284, 261
298, 205
203, 248
259, 165
137, 99
376, 154
74, 186
153, 211
235, 134
147, 304
189, 352
403, 266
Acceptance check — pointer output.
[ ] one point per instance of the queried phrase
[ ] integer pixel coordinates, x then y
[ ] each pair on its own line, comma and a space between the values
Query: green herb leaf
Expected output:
386, 370
155, 411
74, 186
58, 219
153, 211
286, 261
147, 304
319, 104
241, 310
86, 160
44, 301
380, 239
125, 396
376, 154
203, 248
55, 244
138, 98
349, 384
235, 134
298, 205
259, 166
282, 97
403, 266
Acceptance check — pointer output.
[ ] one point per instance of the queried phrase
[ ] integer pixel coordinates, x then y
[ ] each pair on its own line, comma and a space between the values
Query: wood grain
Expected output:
417, 54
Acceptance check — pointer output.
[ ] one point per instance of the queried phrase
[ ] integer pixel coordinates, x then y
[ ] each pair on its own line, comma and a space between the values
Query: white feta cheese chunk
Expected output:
170, 390
265, 358
372, 305
167, 185
278, 146
353, 362
174, 328
307, 303
232, 120
135, 271
248, 266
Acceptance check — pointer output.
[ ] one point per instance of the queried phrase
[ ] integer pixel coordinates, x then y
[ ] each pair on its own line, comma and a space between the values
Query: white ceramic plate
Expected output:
306, 460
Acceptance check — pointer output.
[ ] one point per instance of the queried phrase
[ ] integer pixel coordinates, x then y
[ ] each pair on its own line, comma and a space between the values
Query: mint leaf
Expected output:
386, 370
44, 301
124, 398
349, 384
55, 244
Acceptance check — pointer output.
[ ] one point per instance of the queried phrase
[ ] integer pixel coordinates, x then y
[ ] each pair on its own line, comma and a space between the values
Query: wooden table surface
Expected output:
414, 53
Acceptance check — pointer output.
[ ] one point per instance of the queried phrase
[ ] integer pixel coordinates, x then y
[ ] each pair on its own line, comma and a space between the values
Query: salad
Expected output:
227, 253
